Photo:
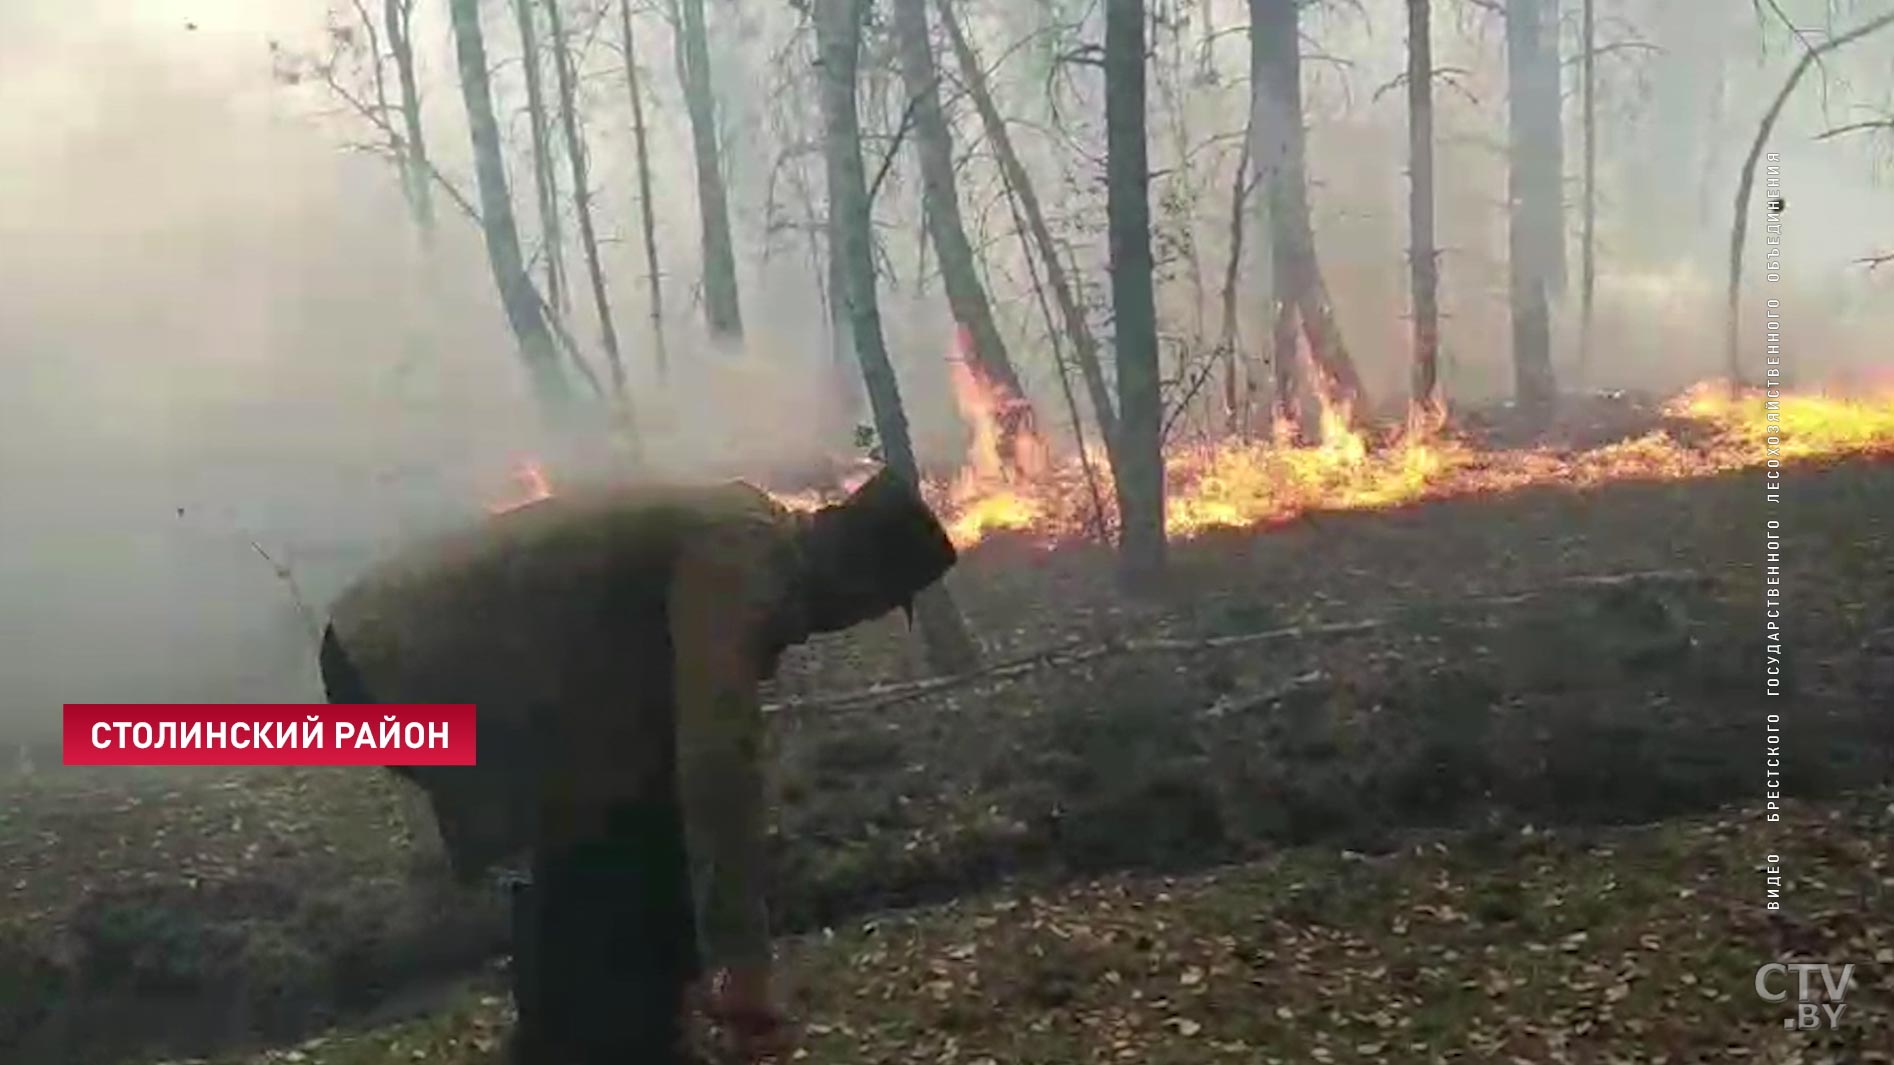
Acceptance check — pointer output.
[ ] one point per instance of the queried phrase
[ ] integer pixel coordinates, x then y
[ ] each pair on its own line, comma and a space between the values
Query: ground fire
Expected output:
1236, 483
1242, 484
530, 474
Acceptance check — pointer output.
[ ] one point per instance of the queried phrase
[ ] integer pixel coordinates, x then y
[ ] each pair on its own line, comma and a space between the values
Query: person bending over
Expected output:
613, 642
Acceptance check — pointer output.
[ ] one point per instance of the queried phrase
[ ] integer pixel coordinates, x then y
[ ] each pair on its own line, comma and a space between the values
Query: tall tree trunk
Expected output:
517, 295
397, 18
1284, 424
647, 211
1588, 251
1530, 170
582, 194
1174, 103
1276, 75
545, 180
1084, 342
1265, 312
838, 42
841, 329
1134, 309
1276, 118
1229, 346
721, 308
960, 275
1423, 260
1549, 107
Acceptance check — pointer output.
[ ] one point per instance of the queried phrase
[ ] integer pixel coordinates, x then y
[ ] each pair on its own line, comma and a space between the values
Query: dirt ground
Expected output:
1384, 843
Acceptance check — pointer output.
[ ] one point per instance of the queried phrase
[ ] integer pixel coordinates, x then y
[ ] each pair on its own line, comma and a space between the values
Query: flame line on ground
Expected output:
1240, 483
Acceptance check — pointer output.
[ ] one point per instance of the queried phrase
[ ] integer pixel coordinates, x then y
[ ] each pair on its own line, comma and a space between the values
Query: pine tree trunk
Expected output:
842, 342
960, 276
582, 196
722, 311
545, 180
1228, 344
1423, 261
1588, 268
1284, 421
1276, 73
1549, 109
1262, 251
1065, 297
1275, 119
397, 18
848, 379
1128, 216
517, 294
1530, 171
647, 211
838, 42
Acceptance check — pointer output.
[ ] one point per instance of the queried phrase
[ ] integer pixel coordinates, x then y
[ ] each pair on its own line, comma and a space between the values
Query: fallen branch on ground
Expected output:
1075, 653
1263, 699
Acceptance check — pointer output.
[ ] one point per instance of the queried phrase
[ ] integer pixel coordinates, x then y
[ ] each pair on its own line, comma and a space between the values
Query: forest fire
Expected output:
1243, 484
1255, 483
532, 476
1007, 466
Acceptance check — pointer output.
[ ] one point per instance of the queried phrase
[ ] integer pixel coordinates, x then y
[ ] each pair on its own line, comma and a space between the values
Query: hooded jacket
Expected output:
613, 643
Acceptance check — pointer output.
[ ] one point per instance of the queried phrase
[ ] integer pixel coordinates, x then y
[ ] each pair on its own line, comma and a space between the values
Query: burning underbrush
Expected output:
1012, 481
1251, 483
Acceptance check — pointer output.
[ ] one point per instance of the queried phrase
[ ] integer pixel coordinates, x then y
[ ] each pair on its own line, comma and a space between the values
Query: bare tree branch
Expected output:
1613, 48
1739, 223
894, 146
1445, 75
1782, 16
1856, 127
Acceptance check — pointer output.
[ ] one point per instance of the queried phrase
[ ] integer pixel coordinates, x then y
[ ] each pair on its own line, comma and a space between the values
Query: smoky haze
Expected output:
227, 354
222, 341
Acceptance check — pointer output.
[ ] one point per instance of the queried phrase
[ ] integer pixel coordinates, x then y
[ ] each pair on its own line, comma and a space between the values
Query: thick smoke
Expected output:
223, 342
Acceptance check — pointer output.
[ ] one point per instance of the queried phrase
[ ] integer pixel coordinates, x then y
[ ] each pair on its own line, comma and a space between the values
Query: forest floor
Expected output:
1378, 797
1541, 946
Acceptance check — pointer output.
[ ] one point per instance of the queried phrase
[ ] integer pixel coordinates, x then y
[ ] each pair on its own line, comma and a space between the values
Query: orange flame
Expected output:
531, 474
1256, 484
1007, 461
1243, 484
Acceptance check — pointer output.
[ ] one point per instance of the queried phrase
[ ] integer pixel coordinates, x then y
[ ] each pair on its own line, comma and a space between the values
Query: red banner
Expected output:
268, 734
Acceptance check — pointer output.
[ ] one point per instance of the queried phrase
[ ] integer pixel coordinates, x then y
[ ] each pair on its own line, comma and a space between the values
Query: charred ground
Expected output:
1496, 683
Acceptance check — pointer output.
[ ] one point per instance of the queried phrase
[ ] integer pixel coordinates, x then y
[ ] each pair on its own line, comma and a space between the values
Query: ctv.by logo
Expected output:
1813, 1005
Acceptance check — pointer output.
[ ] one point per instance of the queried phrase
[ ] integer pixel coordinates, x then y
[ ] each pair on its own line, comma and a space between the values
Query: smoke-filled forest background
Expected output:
247, 310
1349, 414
